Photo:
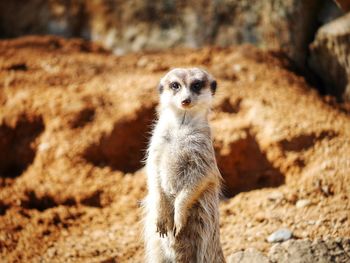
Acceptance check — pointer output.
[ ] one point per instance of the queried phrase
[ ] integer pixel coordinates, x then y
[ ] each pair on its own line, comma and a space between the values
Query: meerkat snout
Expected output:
186, 102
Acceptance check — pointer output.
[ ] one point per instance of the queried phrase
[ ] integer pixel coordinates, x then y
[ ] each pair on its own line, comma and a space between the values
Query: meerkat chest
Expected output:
175, 155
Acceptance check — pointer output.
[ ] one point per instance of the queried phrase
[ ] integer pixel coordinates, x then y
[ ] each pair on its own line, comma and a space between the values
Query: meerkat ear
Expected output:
213, 86
160, 88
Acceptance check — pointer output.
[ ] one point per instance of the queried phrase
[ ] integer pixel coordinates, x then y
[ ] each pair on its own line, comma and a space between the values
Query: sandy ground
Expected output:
74, 125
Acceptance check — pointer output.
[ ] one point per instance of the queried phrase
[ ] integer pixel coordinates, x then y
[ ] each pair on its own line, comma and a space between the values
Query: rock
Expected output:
283, 252
280, 235
250, 255
302, 203
307, 251
330, 56
154, 25
298, 251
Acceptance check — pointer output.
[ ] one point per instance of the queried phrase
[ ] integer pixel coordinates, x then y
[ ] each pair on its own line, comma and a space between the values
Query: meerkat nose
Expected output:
186, 102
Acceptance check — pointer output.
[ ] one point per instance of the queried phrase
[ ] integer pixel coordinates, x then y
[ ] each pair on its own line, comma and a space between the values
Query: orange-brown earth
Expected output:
74, 124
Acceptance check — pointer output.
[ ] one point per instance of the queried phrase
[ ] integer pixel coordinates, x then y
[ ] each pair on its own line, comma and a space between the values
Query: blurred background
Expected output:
126, 26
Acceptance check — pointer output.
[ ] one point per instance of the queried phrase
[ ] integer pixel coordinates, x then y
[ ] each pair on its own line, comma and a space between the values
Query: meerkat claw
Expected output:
161, 230
176, 231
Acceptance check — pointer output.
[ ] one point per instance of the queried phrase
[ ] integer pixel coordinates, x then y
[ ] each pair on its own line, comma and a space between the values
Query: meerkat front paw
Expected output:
164, 224
161, 228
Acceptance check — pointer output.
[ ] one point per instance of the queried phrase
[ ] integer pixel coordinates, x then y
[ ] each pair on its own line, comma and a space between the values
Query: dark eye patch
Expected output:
197, 85
213, 86
175, 86
160, 88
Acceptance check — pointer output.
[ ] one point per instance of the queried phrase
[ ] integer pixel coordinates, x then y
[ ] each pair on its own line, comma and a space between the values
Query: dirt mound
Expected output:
74, 123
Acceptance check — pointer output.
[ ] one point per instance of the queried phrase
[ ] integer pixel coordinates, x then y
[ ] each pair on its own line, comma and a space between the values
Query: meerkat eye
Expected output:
197, 86
174, 85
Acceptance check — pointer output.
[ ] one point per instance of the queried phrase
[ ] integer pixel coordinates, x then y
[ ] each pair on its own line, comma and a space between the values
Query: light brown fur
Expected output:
182, 218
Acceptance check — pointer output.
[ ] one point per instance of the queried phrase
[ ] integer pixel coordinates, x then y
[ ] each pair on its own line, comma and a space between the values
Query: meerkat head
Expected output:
187, 89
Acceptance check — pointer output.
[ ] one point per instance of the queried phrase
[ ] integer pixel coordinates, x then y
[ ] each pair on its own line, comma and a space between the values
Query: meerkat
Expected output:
181, 208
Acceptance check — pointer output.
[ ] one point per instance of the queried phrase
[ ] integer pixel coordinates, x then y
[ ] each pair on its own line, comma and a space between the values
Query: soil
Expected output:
74, 126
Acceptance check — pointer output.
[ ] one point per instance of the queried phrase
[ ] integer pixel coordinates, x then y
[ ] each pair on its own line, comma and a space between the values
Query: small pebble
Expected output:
275, 196
302, 203
237, 67
43, 146
319, 222
280, 235
304, 234
142, 62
